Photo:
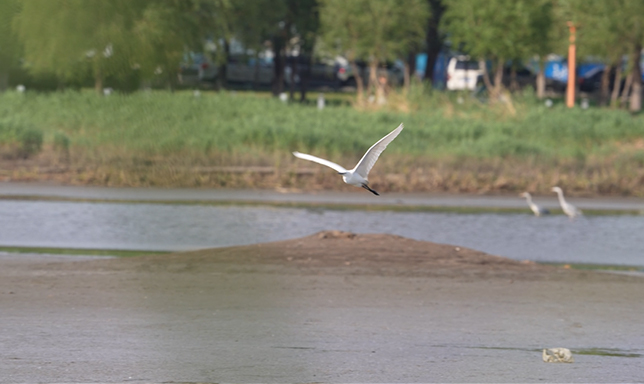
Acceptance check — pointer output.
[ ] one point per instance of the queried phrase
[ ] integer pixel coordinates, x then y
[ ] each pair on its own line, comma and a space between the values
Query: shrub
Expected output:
61, 142
30, 142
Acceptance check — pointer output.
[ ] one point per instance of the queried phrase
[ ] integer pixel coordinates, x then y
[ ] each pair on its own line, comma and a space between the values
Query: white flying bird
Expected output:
358, 175
538, 211
568, 209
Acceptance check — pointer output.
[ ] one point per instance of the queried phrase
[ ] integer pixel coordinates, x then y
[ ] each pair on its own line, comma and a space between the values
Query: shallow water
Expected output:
593, 239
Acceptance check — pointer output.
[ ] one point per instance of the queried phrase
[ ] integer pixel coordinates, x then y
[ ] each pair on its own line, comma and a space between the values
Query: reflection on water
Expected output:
599, 239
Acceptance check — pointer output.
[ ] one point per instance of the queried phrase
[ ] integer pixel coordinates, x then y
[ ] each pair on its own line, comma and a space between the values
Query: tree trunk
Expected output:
4, 80
605, 85
636, 75
359, 83
498, 78
304, 79
372, 87
433, 39
486, 76
381, 87
627, 89
406, 78
98, 80
278, 66
411, 62
170, 79
616, 87
294, 75
514, 84
222, 71
256, 74
541, 83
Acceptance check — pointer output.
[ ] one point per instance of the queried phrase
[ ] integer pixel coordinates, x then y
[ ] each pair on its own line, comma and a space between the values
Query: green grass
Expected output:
162, 123
598, 149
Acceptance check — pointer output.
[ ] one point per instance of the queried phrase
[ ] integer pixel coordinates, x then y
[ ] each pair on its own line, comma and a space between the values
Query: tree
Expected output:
65, 36
611, 30
434, 38
9, 47
538, 37
217, 21
498, 30
304, 18
164, 31
374, 31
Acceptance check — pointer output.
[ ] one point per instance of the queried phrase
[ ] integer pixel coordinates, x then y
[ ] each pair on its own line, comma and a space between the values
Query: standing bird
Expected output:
538, 211
568, 209
358, 175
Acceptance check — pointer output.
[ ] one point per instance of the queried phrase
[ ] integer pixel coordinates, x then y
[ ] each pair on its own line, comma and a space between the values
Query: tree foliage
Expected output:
65, 36
499, 30
9, 47
375, 31
111, 39
611, 30
164, 30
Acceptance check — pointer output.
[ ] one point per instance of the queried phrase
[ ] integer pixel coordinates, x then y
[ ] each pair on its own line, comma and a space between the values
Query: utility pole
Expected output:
570, 90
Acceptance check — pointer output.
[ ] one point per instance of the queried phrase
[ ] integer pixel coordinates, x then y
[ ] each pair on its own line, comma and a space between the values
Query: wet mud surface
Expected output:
332, 307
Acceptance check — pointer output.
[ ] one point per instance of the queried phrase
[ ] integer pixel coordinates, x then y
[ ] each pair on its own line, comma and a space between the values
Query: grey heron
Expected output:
538, 211
358, 176
569, 209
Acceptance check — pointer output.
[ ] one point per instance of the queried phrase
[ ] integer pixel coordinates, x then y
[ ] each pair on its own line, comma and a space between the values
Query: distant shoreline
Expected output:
428, 202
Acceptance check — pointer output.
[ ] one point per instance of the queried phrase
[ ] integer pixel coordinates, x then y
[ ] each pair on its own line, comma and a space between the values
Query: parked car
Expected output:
591, 81
245, 69
462, 73
523, 77
395, 74
319, 73
196, 68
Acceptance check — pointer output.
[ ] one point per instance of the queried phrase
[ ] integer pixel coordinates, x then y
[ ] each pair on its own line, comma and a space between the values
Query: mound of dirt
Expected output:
345, 252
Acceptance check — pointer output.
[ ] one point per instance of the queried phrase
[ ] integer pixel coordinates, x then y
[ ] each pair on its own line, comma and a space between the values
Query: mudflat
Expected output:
331, 307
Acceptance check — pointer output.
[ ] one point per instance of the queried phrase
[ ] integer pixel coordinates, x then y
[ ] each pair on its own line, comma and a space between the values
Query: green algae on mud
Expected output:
613, 352
135, 253
595, 267
79, 251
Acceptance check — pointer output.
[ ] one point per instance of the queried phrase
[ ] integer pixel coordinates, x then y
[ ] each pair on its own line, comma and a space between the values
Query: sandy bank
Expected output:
332, 307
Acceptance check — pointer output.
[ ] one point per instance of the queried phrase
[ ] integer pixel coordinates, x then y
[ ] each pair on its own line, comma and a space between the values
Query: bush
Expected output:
61, 142
30, 142
19, 140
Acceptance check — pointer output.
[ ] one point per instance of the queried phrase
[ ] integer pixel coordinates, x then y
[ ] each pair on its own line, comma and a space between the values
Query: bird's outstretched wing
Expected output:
369, 159
328, 163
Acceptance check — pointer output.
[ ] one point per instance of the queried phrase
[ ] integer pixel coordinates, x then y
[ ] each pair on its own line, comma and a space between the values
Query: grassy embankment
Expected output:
244, 140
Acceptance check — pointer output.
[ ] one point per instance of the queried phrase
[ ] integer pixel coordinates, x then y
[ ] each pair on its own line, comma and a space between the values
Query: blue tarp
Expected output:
558, 70
440, 68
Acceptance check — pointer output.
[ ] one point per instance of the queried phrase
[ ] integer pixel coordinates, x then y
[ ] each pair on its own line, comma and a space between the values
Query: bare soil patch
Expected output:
346, 253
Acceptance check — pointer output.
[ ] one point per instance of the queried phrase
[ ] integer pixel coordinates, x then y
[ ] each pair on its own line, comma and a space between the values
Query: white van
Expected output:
462, 73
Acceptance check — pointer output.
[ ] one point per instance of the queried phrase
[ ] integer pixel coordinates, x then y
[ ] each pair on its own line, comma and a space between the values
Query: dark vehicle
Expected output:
246, 69
592, 81
522, 76
315, 73
394, 74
